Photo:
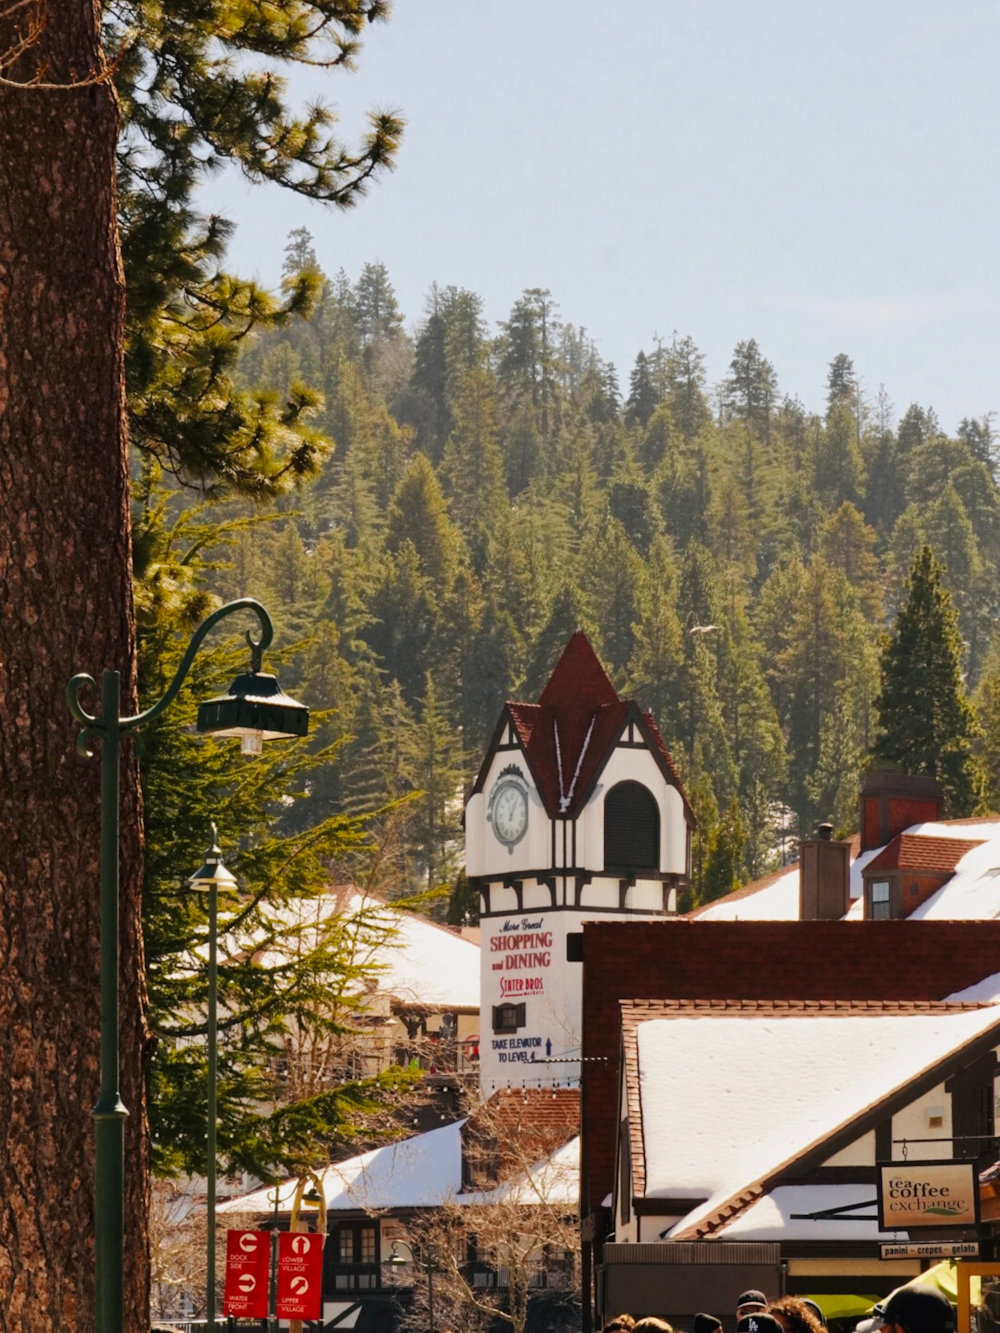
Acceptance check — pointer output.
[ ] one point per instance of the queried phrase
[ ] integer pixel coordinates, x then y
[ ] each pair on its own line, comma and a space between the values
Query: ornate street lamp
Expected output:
213, 878
396, 1260
259, 710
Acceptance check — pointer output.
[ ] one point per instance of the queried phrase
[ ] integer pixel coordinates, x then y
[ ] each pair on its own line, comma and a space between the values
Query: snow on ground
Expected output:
776, 1215
728, 1099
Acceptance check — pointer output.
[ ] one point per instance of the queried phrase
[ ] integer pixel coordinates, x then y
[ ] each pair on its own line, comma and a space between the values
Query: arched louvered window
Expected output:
631, 828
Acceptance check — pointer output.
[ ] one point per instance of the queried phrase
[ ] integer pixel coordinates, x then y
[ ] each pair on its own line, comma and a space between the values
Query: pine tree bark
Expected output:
65, 606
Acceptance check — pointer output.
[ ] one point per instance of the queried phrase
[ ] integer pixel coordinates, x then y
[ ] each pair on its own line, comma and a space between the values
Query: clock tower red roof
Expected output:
567, 735
578, 679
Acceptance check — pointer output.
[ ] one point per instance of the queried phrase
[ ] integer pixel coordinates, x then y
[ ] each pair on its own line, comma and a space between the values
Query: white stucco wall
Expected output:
533, 972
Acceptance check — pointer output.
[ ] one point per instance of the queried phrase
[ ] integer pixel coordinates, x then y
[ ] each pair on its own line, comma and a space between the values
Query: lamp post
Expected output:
213, 878
254, 709
395, 1260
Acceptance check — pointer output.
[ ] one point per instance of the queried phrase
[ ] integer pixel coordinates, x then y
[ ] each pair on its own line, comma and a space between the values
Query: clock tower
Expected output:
577, 814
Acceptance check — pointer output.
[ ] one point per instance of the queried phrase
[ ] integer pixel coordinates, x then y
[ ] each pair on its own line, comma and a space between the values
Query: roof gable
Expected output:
828, 1067
568, 735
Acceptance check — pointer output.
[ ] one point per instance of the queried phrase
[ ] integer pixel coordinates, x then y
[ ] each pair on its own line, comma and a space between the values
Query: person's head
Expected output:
916, 1309
652, 1325
811, 1305
795, 1316
759, 1321
706, 1323
750, 1302
621, 1323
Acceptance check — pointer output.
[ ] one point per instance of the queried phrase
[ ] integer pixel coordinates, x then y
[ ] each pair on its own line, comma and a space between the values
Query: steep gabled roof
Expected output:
834, 1069
568, 734
934, 855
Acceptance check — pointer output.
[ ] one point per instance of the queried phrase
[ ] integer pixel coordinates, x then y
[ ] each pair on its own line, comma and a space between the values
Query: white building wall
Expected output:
919, 1121
492, 857
524, 961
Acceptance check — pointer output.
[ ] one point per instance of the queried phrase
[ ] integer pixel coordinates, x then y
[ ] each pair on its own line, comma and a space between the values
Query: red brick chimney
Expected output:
892, 802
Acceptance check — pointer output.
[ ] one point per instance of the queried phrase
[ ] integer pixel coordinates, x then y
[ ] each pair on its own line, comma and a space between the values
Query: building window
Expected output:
356, 1243
881, 904
508, 1017
631, 828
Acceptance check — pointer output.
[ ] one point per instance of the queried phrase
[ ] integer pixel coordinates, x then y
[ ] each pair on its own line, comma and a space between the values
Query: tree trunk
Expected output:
65, 606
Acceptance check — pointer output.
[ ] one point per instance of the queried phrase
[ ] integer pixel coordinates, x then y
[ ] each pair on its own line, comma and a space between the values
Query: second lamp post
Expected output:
213, 878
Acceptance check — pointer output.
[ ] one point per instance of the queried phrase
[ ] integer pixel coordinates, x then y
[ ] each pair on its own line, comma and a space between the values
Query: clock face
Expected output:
510, 813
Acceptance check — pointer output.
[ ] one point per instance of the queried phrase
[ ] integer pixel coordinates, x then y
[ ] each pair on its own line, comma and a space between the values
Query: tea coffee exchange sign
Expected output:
927, 1194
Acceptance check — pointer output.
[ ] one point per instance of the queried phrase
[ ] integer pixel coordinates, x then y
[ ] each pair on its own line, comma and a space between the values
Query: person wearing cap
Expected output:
706, 1323
759, 1321
916, 1309
750, 1302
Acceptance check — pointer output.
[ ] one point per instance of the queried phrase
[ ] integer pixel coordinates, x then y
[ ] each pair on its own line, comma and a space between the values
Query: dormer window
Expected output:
631, 829
881, 901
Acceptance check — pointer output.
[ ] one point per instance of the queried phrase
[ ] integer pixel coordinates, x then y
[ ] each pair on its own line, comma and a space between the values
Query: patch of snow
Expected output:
987, 827
413, 960
777, 1216
973, 892
727, 1099
857, 887
556, 1180
776, 902
420, 1172
986, 991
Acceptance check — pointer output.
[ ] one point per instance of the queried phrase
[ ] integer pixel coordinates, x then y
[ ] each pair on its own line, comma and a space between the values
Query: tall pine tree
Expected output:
926, 725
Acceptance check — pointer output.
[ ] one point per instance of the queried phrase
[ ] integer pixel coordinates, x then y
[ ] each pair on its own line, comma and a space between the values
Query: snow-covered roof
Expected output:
779, 1215
431, 966
421, 1172
986, 991
726, 1099
972, 893
775, 898
415, 961
556, 1180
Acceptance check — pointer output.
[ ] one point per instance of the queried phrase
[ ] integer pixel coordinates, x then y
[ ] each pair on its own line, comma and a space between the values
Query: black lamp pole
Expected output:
255, 709
429, 1265
213, 878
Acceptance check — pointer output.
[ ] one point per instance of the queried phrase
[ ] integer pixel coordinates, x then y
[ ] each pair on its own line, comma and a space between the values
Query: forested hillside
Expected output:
734, 557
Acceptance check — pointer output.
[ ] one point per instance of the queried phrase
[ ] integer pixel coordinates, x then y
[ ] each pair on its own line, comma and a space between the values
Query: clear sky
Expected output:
822, 177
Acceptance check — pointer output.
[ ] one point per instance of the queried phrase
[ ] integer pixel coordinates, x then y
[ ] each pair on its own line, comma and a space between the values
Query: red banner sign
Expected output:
248, 1265
300, 1275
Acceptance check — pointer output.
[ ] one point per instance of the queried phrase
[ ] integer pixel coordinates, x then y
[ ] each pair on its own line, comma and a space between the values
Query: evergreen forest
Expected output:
477, 493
